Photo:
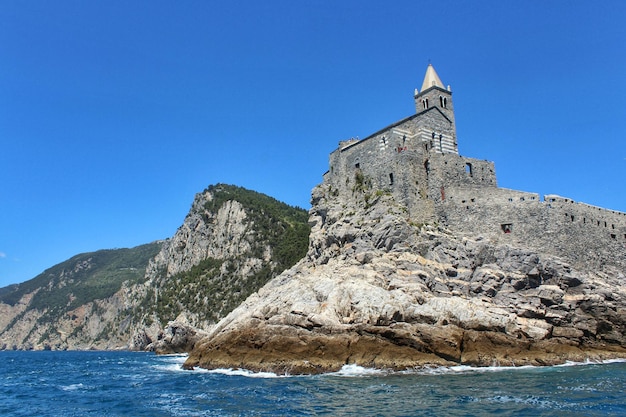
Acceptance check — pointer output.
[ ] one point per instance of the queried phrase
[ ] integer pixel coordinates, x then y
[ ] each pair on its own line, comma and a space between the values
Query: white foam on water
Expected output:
460, 369
173, 363
73, 387
590, 362
353, 370
534, 401
245, 372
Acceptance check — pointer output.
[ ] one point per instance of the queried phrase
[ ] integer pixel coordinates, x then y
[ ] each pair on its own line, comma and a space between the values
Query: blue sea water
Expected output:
143, 384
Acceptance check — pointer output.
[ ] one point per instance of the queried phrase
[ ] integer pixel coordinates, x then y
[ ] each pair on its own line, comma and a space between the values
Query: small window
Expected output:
507, 228
357, 165
468, 169
613, 236
572, 218
390, 178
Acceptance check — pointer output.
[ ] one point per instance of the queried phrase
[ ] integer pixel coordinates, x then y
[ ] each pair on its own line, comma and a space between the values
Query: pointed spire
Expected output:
431, 79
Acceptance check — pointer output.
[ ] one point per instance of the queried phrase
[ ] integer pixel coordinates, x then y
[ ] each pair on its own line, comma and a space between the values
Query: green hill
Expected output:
83, 278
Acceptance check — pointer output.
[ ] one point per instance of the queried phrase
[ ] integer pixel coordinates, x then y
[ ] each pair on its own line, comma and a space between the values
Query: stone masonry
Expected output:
416, 160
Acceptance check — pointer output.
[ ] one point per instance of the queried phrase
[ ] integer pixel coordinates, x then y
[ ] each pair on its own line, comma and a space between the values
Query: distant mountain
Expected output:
83, 278
33, 310
231, 243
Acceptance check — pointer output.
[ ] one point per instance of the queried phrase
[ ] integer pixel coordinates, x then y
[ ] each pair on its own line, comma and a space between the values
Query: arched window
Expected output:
443, 102
425, 103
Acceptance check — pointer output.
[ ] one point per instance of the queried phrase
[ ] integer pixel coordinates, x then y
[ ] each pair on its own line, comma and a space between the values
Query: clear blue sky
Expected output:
113, 114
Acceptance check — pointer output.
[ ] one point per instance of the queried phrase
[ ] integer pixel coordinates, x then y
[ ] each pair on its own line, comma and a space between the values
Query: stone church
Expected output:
416, 160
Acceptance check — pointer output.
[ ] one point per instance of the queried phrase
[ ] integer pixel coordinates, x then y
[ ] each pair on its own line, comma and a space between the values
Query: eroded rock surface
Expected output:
378, 290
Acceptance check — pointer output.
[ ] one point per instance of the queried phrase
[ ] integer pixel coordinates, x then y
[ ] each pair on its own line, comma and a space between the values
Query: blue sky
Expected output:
114, 114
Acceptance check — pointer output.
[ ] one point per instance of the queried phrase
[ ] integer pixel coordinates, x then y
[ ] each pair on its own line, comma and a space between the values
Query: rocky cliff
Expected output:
378, 290
231, 242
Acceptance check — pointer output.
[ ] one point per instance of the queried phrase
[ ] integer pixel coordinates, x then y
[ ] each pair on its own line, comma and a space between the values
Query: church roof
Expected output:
431, 79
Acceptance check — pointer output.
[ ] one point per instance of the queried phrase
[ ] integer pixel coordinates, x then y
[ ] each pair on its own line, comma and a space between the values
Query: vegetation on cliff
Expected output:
83, 278
277, 235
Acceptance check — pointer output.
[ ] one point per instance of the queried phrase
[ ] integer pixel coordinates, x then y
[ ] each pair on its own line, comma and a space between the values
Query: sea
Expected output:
45, 383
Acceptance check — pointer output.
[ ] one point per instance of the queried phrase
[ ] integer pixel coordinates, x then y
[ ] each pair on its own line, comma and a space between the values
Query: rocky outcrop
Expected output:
157, 296
378, 290
177, 337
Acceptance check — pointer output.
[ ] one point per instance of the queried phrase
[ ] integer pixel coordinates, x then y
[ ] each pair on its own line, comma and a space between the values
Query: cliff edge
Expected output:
379, 290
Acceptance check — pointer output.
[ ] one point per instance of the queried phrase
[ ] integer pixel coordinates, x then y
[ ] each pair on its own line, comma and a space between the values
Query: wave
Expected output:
76, 387
245, 372
590, 362
173, 363
353, 370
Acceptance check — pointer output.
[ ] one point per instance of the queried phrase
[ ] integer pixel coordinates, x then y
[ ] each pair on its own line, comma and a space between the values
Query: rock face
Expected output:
231, 242
417, 257
380, 291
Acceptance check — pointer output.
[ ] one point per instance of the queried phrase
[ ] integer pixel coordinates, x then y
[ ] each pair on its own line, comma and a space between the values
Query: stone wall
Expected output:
585, 235
406, 159
436, 97
416, 160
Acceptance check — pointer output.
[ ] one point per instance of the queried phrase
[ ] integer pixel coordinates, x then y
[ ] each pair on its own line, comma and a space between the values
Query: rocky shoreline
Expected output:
284, 351
377, 291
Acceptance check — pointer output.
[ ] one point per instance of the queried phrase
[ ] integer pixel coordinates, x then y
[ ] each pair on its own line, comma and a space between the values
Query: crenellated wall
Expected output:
584, 234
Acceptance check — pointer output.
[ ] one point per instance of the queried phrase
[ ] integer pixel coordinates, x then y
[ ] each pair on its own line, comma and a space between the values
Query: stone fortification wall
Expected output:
609, 224
585, 235
454, 171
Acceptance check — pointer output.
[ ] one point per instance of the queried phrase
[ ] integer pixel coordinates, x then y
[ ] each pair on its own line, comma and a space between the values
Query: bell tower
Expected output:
434, 95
